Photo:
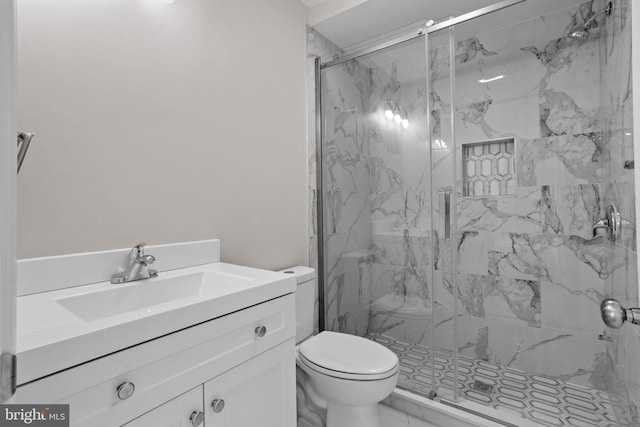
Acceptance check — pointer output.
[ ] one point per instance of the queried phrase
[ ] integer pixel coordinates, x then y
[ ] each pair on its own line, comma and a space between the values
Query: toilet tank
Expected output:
306, 297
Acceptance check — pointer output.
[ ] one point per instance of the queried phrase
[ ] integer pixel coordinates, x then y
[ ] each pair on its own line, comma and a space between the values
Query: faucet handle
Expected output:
140, 248
136, 252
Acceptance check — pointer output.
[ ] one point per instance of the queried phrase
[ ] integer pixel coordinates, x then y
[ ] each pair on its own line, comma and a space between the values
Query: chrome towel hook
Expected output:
24, 139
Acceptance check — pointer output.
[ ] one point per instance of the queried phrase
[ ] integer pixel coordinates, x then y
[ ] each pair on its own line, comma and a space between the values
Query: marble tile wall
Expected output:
530, 273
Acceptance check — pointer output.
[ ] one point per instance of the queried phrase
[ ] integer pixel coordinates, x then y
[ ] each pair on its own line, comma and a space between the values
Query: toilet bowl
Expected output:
341, 377
347, 376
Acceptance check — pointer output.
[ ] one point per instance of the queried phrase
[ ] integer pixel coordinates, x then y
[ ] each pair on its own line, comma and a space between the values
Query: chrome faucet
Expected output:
138, 266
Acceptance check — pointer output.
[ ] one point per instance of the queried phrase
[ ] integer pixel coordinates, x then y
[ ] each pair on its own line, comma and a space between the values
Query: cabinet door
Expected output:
257, 393
175, 413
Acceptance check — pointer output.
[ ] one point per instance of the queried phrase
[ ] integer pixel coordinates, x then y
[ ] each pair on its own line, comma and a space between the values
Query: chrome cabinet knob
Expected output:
125, 390
261, 331
614, 314
217, 405
196, 418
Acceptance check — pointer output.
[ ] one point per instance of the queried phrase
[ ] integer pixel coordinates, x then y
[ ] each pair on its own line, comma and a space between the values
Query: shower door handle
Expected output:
614, 314
445, 217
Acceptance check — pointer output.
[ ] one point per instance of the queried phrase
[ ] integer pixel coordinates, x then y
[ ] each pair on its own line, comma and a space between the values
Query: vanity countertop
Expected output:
60, 329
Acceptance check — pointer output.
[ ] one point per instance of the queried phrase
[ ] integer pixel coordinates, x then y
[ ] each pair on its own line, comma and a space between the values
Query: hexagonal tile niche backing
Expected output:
488, 168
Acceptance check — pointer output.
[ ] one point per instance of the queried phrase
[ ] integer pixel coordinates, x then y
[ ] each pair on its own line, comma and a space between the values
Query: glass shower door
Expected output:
621, 282
533, 146
442, 172
376, 193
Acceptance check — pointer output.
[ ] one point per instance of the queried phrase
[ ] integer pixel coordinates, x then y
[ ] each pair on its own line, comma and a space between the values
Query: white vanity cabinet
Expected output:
246, 358
256, 393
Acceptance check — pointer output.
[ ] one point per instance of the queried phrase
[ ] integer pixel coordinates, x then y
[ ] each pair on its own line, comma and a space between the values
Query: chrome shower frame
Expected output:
422, 31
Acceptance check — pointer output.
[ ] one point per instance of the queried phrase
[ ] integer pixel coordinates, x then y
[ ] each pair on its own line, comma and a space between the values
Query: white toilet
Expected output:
343, 376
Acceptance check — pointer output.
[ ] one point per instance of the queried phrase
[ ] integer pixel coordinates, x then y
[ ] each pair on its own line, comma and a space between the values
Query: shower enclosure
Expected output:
461, 171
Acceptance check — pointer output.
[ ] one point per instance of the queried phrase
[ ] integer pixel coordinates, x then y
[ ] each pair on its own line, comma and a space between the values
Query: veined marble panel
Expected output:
506, 214
403, 247
557, 160
507, 106
516, 255
473, 252
348, 294
632, 373
620, 146
472, 255
575, 311
492, 297
397, 210
573, 209
406, 318
569, 260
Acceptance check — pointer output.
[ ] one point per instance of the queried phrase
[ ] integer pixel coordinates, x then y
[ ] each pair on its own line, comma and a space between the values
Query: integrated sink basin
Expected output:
146, 296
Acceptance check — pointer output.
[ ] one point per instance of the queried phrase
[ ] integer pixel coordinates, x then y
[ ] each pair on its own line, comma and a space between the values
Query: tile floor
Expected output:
544, 400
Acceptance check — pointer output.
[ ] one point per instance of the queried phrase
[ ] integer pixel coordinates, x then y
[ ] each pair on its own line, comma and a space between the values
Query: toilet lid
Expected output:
348, 356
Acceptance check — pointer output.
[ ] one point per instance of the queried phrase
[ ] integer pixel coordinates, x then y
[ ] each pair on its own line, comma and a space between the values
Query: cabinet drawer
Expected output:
162, 368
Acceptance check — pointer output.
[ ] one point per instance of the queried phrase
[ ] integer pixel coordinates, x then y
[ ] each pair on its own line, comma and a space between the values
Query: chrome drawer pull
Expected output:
261, 331
125, 390
196, 418
217, 405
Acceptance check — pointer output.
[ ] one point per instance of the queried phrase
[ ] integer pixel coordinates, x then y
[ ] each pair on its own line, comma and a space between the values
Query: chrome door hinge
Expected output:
7, 376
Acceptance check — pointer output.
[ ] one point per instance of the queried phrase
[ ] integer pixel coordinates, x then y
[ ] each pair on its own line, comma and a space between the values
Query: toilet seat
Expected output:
348, 357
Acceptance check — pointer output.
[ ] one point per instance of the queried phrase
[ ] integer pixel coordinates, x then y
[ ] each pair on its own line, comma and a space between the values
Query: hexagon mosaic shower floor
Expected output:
544, 400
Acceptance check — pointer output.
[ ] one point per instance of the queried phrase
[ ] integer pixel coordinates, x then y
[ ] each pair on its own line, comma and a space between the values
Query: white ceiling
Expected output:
375, 18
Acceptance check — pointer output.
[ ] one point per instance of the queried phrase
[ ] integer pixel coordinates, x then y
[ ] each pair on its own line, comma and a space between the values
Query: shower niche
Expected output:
488, 168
